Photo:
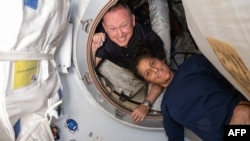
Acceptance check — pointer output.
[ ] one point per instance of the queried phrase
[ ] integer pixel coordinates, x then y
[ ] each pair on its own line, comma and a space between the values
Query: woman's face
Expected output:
155, 71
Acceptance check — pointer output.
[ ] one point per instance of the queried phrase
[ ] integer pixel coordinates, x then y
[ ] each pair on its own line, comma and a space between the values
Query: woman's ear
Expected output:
166, 62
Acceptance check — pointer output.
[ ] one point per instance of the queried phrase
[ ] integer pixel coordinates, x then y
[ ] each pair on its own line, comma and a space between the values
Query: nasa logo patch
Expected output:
72, 125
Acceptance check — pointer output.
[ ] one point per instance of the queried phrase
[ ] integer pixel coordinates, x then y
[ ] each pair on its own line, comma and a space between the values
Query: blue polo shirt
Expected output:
123, 56
200, 99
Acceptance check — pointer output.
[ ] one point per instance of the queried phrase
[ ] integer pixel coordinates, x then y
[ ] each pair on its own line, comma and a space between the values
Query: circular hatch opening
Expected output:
118, 105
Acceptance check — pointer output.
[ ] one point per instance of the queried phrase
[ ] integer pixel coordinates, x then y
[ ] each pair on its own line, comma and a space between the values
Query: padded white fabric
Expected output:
160, 22
221, 30
29, 26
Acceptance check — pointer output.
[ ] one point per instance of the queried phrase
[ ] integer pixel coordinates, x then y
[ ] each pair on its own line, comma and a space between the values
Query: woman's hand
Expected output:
139, 113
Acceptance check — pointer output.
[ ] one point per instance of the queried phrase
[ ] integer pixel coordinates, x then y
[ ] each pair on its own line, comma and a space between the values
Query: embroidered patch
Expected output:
31, 3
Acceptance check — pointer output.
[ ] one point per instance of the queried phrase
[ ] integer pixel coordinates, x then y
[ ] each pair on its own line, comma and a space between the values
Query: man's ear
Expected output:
133, 19
103, 25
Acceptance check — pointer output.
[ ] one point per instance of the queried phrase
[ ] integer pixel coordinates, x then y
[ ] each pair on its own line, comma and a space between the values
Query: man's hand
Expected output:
139, 113
97, 41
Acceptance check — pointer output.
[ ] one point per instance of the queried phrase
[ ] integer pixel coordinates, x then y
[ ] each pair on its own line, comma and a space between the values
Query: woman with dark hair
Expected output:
197, 96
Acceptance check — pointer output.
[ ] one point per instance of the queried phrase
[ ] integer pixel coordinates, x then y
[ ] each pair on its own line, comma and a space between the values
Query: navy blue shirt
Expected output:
200, 99
123, 56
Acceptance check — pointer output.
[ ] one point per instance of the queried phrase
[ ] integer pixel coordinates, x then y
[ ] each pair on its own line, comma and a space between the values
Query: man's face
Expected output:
119, 25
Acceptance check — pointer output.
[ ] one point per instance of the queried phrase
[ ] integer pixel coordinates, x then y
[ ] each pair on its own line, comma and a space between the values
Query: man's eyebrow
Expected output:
111, 27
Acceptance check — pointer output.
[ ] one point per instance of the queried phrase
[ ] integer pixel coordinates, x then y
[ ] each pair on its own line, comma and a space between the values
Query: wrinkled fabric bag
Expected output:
120, 80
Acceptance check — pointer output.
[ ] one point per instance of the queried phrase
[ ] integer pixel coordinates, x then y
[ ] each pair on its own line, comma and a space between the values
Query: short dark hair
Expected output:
146, 49
119, 4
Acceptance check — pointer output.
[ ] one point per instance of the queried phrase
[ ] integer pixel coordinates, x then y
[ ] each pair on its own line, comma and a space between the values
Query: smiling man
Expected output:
119, 36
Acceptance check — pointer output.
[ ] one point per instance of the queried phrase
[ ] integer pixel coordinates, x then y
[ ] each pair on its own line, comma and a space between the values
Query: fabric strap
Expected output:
12, 56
